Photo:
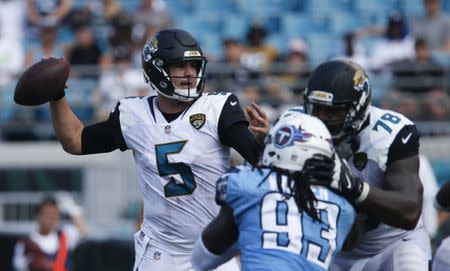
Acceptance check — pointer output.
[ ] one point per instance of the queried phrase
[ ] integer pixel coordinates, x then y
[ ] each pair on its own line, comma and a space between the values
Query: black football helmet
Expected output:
168, 47
340, 85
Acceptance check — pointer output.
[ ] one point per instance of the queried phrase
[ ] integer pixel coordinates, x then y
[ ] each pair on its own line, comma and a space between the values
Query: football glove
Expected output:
336, 174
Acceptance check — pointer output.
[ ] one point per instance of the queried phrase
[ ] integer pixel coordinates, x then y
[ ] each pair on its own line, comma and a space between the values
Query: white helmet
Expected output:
295, 138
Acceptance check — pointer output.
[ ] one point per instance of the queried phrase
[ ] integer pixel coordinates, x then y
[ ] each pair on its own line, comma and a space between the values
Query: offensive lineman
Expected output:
180, 140
382, 149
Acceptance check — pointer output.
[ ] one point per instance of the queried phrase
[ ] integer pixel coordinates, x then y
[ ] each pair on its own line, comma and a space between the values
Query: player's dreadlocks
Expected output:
299, 188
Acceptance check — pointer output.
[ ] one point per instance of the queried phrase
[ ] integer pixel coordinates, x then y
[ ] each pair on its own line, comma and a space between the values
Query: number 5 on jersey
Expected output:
165, 168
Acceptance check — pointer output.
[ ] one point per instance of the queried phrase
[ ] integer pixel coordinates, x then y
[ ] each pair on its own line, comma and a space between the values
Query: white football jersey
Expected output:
369, 162
178, 164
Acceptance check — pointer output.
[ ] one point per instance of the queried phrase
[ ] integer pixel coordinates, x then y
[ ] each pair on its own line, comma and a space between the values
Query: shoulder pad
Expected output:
222, 183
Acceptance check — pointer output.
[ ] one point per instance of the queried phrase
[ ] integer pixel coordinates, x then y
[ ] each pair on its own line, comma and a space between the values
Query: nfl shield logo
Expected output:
360, 160
197, 120
157, 255
168, 129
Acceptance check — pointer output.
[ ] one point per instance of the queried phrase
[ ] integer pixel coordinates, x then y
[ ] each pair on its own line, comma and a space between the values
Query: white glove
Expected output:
67, 204
348, 185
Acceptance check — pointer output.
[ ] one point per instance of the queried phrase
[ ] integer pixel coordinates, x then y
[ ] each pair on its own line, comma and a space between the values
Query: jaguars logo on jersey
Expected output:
360, 160
197, 120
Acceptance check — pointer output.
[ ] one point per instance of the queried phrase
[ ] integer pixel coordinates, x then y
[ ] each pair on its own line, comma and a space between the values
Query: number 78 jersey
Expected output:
273, 234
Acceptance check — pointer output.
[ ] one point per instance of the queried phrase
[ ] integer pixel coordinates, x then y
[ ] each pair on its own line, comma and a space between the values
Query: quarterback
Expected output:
181, 141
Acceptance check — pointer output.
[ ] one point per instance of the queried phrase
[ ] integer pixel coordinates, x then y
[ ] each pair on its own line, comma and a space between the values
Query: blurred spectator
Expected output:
118, 82
153, 14
12, 16
47, 45
85, 50
11, 60
434, 27
297, 69
79, 17
351, 51
258, 55
49, 246
233, 76
120, 41
47, 11
396, 45
11, 49
105, 11
419, 85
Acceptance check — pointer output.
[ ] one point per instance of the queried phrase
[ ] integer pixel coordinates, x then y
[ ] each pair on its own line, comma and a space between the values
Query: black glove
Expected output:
319, 170
336, 174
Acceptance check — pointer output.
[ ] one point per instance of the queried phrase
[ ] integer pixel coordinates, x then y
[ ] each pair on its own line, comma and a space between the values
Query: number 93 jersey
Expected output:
273, 234
178, 163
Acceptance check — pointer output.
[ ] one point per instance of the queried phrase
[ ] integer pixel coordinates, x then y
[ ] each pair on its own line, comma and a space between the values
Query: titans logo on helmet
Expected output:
288, 135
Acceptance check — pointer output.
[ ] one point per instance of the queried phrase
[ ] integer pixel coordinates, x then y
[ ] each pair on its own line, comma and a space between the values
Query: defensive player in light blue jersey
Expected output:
280, 220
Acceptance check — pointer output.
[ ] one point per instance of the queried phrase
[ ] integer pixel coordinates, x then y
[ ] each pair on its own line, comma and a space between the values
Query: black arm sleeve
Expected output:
239, 137
231, 113
405, 144
233, 131
105, 136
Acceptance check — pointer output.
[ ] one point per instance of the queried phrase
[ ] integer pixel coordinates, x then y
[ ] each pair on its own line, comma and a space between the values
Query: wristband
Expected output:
364, 193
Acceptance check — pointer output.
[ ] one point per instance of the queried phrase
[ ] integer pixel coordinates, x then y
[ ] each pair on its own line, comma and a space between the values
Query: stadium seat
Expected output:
199, 25
235, 26
412, 7
321, 47
211, 44
296, 25
180, 7
378, 6
261, 7
203, 7
328, 6
342, 22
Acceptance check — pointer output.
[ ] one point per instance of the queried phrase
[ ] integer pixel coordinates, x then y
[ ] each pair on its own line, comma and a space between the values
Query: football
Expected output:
42, 82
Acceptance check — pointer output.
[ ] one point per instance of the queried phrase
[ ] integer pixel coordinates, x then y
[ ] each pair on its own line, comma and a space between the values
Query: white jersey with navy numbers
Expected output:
178, 163
387, 137
370, 160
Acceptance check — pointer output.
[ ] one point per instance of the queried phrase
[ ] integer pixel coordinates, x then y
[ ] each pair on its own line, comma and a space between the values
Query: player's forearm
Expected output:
67, 126
394, 208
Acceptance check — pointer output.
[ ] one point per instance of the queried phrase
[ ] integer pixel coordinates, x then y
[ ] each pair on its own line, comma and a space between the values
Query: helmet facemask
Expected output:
168, 88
